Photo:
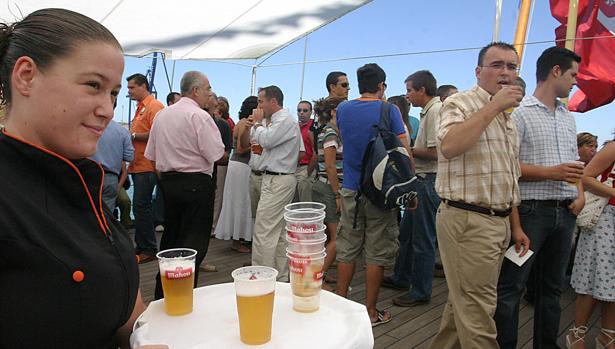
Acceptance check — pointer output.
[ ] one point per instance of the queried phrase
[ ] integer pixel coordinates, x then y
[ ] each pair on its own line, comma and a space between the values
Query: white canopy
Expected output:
199, 29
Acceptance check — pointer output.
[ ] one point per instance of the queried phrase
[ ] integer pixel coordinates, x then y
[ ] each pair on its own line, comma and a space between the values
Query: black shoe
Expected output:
407, 301
388, 283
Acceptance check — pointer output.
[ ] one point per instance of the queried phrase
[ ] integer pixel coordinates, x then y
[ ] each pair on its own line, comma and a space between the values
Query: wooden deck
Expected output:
410, 328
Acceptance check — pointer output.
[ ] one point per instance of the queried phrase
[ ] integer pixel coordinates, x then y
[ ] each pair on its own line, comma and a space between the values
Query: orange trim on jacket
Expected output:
100, 217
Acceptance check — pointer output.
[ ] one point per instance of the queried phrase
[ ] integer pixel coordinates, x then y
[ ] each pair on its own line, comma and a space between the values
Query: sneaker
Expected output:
159, 228
407, 300
388, 283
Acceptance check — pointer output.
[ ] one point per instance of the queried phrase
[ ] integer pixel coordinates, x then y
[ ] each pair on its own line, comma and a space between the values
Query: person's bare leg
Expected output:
608, 324
345, 271
331, 228
583, 308
373, 278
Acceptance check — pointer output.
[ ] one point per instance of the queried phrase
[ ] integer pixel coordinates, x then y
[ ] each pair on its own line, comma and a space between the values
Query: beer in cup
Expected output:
177, 276
256, 148
306, 279
578, 163
255, 289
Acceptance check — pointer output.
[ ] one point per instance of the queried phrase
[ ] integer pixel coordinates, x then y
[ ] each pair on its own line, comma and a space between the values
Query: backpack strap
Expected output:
385, 125
385, 120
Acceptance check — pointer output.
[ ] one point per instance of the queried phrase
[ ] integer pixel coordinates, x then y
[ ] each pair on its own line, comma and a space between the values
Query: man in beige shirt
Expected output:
417, 231
478, 171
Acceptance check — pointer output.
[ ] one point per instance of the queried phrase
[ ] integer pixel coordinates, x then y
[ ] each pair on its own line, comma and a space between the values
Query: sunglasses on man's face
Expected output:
344, 84
299, 110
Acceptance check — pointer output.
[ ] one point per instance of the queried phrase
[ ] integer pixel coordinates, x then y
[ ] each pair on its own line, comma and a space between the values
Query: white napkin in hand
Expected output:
514, 256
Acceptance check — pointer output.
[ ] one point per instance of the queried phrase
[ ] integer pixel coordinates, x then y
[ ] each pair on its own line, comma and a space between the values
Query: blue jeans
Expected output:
145, 237
550, 231
417, 242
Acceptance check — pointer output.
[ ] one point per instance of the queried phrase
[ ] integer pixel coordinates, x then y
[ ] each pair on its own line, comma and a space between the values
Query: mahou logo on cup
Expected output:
178, 273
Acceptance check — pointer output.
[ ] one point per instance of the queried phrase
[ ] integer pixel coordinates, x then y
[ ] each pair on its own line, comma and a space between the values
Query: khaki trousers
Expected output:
304, 185
269, 240
472, 247
255, 191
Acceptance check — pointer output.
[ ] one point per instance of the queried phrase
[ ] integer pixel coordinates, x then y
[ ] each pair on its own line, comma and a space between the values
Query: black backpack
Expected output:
387, 179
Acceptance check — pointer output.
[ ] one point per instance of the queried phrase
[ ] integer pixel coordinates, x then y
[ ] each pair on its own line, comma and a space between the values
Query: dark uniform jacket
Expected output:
68, 273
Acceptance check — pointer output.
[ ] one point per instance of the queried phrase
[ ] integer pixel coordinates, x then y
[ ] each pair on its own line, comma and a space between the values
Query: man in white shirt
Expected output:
281, 141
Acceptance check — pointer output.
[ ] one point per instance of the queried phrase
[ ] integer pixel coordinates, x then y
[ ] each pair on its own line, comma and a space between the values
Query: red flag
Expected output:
596, 79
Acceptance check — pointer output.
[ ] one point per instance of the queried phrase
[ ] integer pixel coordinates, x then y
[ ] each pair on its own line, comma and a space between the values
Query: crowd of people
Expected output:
495, 169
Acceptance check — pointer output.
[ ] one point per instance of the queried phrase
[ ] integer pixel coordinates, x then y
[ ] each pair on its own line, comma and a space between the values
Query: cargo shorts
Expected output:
376, 233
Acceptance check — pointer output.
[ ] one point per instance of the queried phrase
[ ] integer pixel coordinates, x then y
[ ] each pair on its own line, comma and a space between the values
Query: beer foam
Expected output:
173, 264
254, 281
245, 289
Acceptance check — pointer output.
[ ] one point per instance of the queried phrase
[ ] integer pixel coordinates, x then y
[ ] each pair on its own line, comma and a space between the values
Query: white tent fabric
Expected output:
199, 29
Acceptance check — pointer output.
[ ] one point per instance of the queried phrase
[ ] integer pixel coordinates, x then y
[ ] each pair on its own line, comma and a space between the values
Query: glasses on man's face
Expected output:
299, 110
501, 66
344, 84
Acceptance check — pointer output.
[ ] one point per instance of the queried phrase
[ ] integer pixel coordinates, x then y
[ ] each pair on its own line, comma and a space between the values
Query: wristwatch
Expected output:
133, 136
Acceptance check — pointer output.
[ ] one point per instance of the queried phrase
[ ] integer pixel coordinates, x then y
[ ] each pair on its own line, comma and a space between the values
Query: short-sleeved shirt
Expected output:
487, 173
426, 137
329, 137
546, 138
113, 147
355, 120
307, 142
184, 138
142, 122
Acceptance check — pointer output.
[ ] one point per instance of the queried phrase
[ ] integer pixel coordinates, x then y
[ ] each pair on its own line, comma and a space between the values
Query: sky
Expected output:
405, 28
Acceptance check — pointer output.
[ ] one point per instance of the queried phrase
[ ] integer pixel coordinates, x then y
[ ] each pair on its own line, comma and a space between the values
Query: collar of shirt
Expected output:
428, 106
533, 101
189, 100
145, 102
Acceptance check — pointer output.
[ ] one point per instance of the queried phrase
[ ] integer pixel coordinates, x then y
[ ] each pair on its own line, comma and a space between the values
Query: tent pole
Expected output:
303, 68
253, 85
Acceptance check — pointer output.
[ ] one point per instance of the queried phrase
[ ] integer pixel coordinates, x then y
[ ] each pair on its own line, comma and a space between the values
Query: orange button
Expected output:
78, 276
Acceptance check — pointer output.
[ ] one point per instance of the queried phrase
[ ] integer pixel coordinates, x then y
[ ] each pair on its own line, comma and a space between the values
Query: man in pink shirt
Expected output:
183, 145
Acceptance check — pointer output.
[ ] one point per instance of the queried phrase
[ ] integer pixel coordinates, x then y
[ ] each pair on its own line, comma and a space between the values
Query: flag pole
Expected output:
571, 30
498, 16
520, 35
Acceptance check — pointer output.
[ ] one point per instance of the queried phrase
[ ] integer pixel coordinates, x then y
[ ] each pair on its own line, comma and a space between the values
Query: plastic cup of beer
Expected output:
578, 163
306, 279
256, 148
255, 289
305, 206
177, 275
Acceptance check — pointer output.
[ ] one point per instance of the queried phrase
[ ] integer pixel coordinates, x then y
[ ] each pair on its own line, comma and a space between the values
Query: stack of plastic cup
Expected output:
305, 233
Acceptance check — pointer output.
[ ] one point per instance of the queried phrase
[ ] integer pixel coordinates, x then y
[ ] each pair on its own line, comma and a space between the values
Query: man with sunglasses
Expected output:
477, 176
304, 185
337, 84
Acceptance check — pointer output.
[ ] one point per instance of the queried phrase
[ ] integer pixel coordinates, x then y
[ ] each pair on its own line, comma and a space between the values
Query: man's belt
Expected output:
277, 173
552, 203
257, 172
478, 209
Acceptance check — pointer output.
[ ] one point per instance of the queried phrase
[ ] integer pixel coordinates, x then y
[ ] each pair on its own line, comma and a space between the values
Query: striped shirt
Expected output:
487, 173
329, 137
547, 138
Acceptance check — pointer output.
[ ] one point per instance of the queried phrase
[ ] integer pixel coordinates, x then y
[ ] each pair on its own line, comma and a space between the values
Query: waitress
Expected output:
68, 275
